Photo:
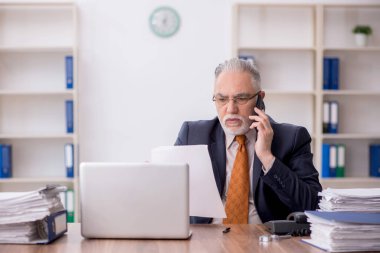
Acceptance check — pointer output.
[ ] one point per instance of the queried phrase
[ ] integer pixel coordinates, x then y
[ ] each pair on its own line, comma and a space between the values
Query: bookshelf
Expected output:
35, 38
289, 42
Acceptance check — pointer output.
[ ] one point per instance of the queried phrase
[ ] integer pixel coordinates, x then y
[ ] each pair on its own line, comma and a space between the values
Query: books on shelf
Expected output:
67, 199
69, 72
69, 160
333, 160
374, 160
5, 161
32, 217
331, 73
70, 205
330, 117
69, 116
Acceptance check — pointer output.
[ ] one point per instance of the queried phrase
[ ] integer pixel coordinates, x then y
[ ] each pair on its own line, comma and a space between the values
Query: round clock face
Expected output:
164, 21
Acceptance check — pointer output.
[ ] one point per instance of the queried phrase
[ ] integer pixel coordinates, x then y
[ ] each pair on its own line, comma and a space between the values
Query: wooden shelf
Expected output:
36, 180
292, 73
36, 49
36, 136
289, 92
35, 4
35, 93
258, 48
351, 136
351, 92
354, 49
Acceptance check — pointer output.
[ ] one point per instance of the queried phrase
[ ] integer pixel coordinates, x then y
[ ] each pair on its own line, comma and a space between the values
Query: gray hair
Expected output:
236, 64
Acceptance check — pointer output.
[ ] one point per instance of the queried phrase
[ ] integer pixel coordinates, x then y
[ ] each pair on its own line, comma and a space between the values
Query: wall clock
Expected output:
164, 21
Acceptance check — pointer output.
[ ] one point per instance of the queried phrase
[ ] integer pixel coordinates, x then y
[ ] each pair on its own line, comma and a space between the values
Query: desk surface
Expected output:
205, 238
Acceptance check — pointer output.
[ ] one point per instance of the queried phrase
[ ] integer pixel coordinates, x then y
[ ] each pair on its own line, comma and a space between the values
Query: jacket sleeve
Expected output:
182, 138
296, 182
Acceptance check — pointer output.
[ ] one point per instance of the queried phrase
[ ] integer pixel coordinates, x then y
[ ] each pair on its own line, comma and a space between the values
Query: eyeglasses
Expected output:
240, 100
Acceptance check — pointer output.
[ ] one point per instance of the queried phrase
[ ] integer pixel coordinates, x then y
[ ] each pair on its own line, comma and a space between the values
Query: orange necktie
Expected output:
238, 189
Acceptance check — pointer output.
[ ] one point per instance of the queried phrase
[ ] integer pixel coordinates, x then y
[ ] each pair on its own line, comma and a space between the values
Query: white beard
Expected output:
243, 129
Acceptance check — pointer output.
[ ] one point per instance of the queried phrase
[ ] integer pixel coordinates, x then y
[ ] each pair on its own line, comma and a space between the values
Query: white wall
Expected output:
136, 89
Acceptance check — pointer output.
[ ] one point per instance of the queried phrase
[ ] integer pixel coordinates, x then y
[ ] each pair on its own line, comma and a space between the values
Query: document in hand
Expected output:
344, 231
32, 217
204, 197
356, 199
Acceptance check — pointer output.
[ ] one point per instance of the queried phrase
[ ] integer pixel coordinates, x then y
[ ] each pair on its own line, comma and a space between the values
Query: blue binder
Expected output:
334, 117
69, 160
69, 116
326, 160
69, 72
374, 160
5, 161
55, 225
334, 65
326, 73
348, 217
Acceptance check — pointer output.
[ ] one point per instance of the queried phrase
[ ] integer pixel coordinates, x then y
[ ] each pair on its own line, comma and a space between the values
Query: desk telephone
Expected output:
295, 224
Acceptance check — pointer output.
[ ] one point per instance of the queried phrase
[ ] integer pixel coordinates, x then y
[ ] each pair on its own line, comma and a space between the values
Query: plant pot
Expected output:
361, 39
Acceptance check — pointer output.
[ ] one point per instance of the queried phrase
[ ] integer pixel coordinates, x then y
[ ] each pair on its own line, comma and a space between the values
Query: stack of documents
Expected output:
32, 217
359, 200
348, 220
344, 231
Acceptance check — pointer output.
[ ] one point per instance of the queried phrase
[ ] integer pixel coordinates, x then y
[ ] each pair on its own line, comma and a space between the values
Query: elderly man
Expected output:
263, 169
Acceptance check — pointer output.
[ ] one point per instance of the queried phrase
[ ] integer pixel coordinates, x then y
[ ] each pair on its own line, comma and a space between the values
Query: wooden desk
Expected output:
205, 238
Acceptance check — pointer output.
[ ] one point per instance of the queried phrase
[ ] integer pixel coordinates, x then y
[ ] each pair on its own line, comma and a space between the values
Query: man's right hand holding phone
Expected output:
264, 138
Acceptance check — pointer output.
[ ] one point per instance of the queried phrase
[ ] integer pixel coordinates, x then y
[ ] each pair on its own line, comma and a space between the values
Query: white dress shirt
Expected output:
231, 150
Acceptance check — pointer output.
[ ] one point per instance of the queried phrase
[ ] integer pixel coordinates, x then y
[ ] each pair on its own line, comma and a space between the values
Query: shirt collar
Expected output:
251, 136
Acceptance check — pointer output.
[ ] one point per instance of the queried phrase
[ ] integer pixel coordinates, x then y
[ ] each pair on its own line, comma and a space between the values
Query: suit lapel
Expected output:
218, 157
256, 173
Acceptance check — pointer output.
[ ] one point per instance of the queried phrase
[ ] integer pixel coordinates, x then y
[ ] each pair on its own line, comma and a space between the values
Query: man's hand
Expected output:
264, 138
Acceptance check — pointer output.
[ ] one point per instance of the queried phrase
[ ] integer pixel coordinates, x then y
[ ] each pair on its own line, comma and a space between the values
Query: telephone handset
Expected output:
295, 224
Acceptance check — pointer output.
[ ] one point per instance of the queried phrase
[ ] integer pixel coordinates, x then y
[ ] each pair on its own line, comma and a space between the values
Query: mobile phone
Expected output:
260, 104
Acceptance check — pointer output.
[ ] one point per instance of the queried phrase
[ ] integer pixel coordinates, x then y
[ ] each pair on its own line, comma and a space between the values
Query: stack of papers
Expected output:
26, 216
348, 220
359, 200
344, 231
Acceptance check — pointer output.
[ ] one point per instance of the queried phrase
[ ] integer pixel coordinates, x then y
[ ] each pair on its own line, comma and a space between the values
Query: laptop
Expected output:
134, 200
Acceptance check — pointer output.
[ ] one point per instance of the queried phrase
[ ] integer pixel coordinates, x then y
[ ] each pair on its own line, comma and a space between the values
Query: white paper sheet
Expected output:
204, 196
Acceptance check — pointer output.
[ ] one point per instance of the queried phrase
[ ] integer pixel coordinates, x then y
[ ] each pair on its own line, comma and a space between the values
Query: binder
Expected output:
325, 160
341, 162
45, 230
69, 72
70, 205
374, 160
69, 160
334, 65
69, 116
347, 217
326, 116
248, 58
334, 108
333, 155
326, 73
5, 161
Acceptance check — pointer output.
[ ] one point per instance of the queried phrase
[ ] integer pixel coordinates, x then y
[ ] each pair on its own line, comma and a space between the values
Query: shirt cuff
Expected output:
267, 170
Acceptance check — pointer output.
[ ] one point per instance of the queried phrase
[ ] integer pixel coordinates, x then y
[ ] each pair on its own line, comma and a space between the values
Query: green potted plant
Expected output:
361, 34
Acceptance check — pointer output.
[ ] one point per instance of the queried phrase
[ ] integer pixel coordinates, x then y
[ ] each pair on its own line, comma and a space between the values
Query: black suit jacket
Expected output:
290, 185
